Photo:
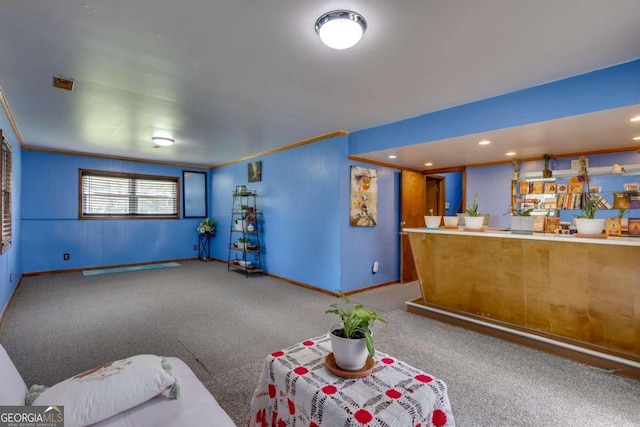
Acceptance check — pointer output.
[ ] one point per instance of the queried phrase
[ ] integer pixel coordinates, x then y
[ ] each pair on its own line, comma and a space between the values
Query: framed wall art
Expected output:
254, 170
364, 197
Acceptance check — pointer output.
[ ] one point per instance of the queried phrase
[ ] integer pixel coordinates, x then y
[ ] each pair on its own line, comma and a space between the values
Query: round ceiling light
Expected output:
341, 29
162, 141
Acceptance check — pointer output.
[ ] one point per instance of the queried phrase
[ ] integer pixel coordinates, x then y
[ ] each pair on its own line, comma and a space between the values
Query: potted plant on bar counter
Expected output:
432, 221
474, 220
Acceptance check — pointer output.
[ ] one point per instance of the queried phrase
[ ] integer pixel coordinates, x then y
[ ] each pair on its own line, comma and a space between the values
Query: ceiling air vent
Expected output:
63, 83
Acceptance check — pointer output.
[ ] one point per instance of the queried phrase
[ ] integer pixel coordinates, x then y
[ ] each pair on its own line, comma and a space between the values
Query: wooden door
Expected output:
435, 194
412, 211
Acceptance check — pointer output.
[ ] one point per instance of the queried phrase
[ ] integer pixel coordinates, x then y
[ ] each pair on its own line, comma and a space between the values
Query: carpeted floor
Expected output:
223, 324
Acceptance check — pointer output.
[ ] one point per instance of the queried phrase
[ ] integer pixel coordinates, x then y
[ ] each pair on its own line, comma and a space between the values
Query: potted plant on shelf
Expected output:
432, 221
243, 243
207, 227
546, 172
588, 224
474, 219
351, 340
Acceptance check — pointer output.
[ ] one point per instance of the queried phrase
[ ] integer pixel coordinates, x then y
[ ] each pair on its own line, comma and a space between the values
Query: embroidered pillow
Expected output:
107, 390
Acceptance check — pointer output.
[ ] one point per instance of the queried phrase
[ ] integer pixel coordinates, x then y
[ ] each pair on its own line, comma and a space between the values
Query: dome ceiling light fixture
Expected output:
162, 141
341, 29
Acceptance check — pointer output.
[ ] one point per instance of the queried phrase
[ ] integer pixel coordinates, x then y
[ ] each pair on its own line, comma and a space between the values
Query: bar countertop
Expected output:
503, 233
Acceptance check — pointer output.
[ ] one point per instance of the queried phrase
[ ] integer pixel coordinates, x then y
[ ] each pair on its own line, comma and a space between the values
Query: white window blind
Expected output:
121, 195
5, 215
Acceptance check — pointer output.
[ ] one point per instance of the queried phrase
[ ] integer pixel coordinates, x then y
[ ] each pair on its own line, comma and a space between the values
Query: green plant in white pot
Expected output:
474, 219
588, 224
351, 340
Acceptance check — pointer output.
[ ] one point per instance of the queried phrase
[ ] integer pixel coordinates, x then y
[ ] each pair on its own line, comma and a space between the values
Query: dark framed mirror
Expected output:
194, 194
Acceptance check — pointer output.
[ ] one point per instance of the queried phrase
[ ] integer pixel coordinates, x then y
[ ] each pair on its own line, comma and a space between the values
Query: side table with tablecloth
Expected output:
296, 389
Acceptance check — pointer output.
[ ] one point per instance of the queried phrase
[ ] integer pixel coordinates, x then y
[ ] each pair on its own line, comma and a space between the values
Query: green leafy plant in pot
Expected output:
351, 340
474, 220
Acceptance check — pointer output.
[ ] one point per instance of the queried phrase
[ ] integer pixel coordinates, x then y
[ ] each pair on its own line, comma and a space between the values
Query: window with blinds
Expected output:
119, 195
5, 215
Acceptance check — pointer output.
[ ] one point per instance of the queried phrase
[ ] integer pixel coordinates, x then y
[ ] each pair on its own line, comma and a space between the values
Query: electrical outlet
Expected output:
195, 247
447, 205
66, 257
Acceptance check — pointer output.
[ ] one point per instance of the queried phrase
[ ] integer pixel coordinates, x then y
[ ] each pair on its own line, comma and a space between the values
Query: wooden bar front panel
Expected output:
585, 292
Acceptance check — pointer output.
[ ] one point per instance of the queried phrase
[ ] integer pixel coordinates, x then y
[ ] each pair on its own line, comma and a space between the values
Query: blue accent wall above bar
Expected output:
604, 89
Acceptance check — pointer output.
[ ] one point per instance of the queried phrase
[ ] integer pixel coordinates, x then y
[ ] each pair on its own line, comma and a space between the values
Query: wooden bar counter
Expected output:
569, 295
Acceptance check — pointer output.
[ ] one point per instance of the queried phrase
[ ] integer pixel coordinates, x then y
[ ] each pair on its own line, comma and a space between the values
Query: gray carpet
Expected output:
223, 324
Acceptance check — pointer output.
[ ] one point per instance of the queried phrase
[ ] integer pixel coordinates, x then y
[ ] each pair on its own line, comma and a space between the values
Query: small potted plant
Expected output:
474, 219
351, 340
432, 221
546, 172
207, 227
243, 243
624, 222
588, 224
522, 221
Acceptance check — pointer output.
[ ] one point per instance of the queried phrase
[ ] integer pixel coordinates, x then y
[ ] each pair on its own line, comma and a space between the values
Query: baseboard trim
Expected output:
316, 289
615, 363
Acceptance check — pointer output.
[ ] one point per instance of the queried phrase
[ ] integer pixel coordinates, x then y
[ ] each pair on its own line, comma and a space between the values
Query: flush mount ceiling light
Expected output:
484, 142
162, 141
340, 29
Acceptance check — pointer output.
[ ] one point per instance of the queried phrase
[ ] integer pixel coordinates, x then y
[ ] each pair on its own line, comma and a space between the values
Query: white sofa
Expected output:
194, 407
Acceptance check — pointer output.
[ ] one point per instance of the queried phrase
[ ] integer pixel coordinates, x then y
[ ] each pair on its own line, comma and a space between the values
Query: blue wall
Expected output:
304, 199
11, 261
50, 224
453, 192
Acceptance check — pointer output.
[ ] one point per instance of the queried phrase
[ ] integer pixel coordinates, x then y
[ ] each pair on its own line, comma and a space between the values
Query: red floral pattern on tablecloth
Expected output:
296, 390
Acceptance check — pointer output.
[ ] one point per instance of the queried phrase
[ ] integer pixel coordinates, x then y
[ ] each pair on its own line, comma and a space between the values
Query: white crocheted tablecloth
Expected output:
296, 389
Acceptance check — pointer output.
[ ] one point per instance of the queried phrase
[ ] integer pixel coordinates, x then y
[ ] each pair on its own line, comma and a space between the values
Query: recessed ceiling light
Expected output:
340, 29
510, 153
635, 119
162, 141
392, 156
484, 142
637, 138
428, 164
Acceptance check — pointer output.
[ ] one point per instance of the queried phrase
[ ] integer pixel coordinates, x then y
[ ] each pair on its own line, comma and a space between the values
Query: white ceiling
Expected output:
228, 79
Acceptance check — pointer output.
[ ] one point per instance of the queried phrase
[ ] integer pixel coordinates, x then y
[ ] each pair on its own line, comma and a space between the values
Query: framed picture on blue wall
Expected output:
254, 171
363, 211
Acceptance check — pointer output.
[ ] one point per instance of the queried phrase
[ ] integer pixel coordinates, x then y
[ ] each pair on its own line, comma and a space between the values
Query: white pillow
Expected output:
108, 389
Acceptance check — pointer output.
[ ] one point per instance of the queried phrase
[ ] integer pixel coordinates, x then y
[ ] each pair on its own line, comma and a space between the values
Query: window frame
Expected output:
6, 157
109, 174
